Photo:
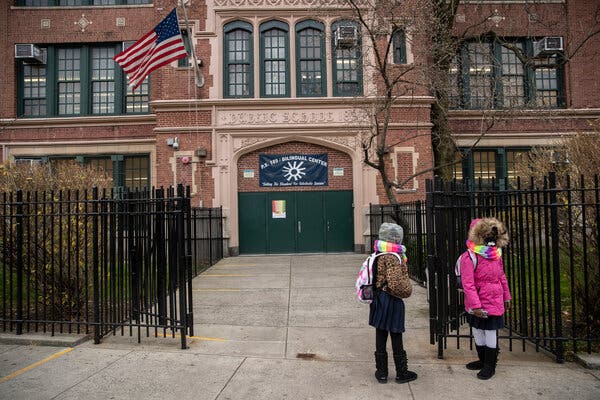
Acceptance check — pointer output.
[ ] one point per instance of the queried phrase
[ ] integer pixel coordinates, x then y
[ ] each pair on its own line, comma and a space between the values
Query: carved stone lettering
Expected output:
308, 117
275, 3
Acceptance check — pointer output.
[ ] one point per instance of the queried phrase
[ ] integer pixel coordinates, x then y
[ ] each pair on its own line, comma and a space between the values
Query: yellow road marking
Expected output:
197, 337
208, 338
237, 265
36, 364
212, 275
216, 290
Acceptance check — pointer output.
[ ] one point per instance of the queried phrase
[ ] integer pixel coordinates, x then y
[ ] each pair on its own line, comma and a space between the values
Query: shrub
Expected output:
576, 162
55, 248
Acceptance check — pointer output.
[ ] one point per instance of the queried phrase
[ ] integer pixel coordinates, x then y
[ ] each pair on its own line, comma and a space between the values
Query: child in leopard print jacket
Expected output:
386, 314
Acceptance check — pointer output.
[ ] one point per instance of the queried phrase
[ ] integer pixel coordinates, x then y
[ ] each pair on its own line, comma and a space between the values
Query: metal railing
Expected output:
103, 262
205, 230
411, 216
552, 263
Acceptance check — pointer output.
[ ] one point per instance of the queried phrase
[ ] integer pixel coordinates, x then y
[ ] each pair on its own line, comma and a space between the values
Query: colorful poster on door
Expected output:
278, 207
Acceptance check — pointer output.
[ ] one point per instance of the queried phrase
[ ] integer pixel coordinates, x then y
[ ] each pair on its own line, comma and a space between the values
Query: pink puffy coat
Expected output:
486, 287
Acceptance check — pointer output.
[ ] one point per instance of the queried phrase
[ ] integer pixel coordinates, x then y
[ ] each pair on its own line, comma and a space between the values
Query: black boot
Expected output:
403, 375
489, 364
381, 363
476, 365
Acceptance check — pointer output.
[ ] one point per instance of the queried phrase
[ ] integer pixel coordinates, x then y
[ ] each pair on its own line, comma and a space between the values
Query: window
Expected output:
513, 78
484, 167
399, 46
131, 171
514, 158
137, 172
547, 83
274, 59
103, 81
46, 3
346, 55
480, 75
185, 61
238, 60
137, 102
457, 167
34, 90
487, 75
494, 166
69, 81
310, 59
77, 81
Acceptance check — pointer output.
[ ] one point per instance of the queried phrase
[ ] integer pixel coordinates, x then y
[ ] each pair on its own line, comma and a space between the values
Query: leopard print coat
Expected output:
392, 276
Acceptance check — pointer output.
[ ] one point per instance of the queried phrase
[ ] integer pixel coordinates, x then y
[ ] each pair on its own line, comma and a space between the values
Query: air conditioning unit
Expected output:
547, 46
346, 37
30, 53
127, 44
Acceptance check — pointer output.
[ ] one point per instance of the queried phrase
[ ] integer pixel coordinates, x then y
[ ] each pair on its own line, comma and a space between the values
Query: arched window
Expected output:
399, 46
346, 58
310, 59
274, 60
238, 60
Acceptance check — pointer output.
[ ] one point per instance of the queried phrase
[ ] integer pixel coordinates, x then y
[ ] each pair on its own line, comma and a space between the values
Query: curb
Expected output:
589, 361
37, 339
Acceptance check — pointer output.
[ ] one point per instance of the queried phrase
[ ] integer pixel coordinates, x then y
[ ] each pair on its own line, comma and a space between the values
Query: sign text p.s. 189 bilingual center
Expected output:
281, 170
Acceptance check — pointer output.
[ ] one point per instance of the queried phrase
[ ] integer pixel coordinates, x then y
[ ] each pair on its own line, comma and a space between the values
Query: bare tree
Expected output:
438, 44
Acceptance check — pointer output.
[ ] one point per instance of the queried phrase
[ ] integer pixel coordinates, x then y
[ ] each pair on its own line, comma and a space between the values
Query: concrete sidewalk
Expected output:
280, 327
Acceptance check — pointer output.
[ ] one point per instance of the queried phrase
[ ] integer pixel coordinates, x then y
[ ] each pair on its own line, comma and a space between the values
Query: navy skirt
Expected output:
491, 323
387, 312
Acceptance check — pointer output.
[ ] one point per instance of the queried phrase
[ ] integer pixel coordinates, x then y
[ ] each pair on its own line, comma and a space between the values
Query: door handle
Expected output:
299, 227
327, 226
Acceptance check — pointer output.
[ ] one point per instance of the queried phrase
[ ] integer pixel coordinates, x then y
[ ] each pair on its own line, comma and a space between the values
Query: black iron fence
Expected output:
205, 228
411, 216
103, 263
552, 263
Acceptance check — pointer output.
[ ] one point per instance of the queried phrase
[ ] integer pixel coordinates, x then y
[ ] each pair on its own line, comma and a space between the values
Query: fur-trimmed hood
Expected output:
488, 232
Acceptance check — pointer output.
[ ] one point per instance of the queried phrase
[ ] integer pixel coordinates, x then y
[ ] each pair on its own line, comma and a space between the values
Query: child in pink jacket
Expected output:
486, 290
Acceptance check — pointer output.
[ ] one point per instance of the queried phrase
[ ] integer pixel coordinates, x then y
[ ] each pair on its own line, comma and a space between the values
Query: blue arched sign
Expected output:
281, 170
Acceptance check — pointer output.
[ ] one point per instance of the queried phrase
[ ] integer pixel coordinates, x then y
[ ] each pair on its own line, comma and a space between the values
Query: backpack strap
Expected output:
372, 260
370, 271
388, 252
474, 259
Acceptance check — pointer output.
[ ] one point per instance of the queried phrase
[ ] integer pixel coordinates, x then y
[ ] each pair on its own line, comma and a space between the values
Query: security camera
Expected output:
176, 144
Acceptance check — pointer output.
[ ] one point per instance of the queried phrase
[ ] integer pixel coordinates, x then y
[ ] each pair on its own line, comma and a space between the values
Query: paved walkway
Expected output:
279, 327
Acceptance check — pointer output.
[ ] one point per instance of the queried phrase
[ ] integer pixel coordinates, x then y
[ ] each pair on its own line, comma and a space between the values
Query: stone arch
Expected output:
348, 149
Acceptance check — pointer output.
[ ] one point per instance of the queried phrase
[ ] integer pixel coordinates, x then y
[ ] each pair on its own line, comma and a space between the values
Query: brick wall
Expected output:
196, 172
420, 143
78, 132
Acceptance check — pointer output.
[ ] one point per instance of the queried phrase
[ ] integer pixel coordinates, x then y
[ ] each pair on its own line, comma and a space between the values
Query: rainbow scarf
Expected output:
489, 252
381, 246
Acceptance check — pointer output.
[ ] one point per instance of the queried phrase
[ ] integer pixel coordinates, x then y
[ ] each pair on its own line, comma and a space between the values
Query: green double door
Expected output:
295, 222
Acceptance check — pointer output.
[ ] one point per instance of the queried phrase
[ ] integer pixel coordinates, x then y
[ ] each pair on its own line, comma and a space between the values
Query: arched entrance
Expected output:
295, 214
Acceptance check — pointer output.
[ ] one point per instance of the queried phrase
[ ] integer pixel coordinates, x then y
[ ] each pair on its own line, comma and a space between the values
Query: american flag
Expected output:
159, 47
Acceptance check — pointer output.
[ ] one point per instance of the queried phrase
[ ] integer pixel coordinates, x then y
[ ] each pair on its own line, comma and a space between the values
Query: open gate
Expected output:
551, 263
143, 239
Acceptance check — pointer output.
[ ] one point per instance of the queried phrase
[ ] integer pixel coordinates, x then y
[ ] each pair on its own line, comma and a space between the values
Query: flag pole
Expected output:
199, 76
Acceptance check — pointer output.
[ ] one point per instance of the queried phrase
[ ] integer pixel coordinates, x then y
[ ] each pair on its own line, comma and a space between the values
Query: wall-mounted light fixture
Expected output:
201, 152
173, 142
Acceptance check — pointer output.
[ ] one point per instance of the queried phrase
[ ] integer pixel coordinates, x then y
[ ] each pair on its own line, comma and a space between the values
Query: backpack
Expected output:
473, 257
365, 282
